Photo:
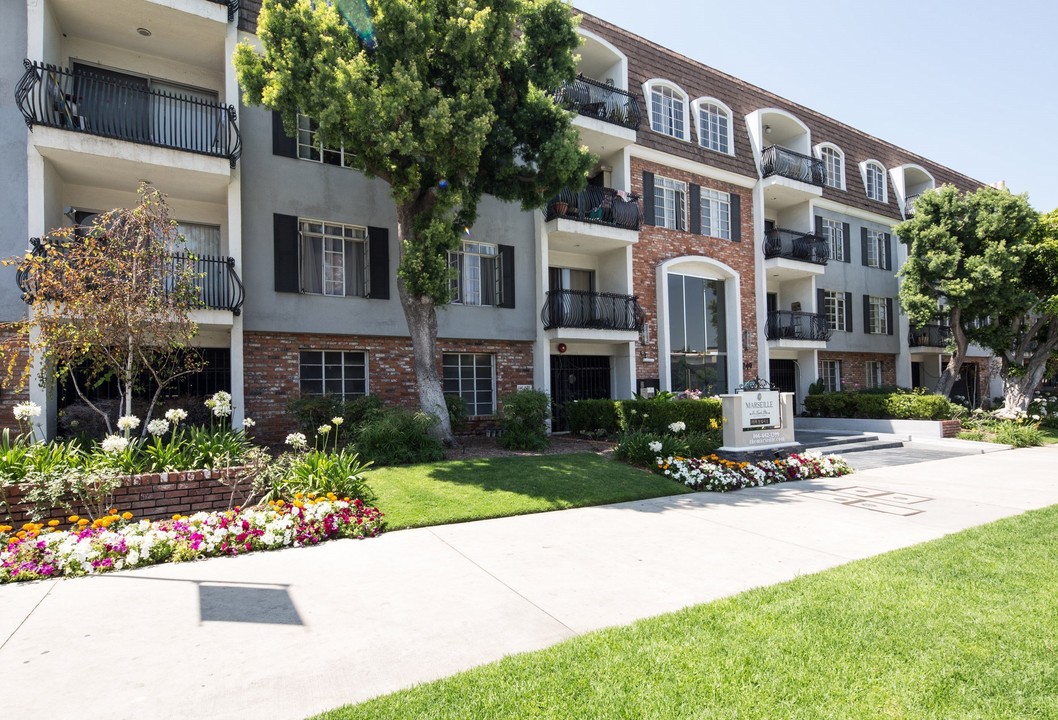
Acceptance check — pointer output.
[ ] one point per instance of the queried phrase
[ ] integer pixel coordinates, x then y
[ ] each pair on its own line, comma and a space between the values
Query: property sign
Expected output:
760, 410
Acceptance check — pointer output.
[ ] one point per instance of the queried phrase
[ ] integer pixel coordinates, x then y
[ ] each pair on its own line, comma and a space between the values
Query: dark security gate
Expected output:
576, 377
784, 374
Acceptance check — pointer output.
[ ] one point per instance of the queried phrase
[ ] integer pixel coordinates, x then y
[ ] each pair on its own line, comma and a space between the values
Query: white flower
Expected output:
128, 422
678, 426
1036, 417
337, 420
248, 423
176, 416
26, 410
113, 444
221, 410
220, 404
158, 427
655, 446
297, 441
323, 429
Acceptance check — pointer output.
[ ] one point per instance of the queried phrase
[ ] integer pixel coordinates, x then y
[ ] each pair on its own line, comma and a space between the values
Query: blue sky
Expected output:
964, 83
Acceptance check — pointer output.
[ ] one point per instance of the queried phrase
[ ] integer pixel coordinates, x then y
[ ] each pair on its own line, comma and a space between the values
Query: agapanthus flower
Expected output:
654, 445
248, 423
128, 422
323, 429
338, 420
113, 444
158, 427
26, 410
297, 441
176, 415
678, 426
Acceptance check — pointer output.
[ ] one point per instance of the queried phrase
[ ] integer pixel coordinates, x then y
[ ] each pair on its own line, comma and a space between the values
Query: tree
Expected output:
966, 253
444, 100
109, 300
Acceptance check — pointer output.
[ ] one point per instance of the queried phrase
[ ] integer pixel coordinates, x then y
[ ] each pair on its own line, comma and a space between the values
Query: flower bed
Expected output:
715, 474
112, 542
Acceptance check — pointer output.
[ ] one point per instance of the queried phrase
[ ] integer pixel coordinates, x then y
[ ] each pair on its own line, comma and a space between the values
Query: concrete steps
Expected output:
828, 443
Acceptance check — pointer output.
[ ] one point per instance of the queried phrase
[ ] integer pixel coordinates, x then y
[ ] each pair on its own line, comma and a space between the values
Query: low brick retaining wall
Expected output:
162, 495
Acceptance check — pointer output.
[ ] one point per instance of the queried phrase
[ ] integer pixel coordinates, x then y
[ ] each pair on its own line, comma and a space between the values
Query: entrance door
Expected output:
576, 377
916, 374
784, 374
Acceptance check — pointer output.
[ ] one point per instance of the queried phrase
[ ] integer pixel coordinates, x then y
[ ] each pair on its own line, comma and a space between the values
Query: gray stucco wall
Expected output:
14, 232
275, 184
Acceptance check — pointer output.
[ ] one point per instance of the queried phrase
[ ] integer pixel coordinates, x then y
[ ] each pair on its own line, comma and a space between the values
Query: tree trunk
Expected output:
421, 314
1024, 368
950, 375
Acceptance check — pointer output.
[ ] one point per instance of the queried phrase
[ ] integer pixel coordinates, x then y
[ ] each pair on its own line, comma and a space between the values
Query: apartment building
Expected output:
725, 233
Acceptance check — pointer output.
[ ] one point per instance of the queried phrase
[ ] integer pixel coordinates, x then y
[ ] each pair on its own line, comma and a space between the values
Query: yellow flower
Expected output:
176, 516
82, 522
73, 518
126, 515
53, 523
280, 503
5, 528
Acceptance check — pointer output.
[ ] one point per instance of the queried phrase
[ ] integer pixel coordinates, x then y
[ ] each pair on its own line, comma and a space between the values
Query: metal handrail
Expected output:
929, 336
791, 325
596, 310
82, 102
602, 206
777, 160
592, 98
233, 7
909, 202
793, 245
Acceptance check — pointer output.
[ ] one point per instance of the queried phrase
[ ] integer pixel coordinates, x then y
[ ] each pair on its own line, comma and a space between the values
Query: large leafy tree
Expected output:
444, 100
966, 254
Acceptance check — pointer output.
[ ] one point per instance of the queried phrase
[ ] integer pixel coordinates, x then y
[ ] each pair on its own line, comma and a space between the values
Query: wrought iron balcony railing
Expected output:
909, 204
602, 206
596, 310
937, 336
777, 160
232, 5
82, 102
789, 325
793, 245
219, 285
592, 98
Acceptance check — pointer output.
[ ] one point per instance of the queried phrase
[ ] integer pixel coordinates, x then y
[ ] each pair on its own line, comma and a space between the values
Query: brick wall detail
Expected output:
854, 368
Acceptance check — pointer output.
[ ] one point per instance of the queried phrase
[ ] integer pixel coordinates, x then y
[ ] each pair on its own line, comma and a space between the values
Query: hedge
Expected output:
652, 415
895, 405
589, 416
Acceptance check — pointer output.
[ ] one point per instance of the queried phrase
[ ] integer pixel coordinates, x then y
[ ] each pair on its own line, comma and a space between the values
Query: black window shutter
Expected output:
863, 245
282, 144
285, 244
887, 262
819, 226
696, 209
821, 301
846, 231
867, 314
736, 218
888, 316
848, 312
378, 256
648, 198
506, 276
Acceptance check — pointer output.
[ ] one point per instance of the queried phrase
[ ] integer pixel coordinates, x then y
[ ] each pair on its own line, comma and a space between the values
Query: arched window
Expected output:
667, 107
834, 162
714, 125
874, 180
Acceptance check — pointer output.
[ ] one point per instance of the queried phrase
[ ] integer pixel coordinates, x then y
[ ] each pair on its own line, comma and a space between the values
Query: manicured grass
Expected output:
1050, 435
457, 491
963, 627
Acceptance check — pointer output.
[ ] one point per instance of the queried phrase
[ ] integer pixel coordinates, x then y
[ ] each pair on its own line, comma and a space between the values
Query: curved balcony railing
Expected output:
602, 206
790, 325
909, 204
777, 160
232, 5
592, 98
595, 310
82, 102
793, 245
937, 336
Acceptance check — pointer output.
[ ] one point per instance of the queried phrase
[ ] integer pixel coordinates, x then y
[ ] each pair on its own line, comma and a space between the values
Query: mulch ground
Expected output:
479, 446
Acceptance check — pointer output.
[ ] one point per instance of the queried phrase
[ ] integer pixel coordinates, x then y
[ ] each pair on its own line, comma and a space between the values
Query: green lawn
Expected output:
456, 491
1050, 435
963, 627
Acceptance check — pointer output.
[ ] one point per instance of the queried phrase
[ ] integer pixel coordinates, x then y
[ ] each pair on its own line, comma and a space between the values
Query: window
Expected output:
333, 372
697, 333
874, 179
667, 110
471, 376
830, 374
476, 274
874, 373
877, 316
670, 203
714, 126
834, 234
834, 309
875, 249
716, 214
834, 162
333, 258
310, 148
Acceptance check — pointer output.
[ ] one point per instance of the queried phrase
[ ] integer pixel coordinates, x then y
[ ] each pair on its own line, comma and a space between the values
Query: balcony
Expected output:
84, 103
793, 245
591, 311
232, 5
604, 217
777, 160
786, 325
929, 336
601, 101
909, 204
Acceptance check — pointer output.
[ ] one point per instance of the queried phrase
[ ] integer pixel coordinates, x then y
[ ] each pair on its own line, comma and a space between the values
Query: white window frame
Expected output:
878, 315
834, 232
323, 372
722, 141
834, 309
875, 248
830, 374
680, 127
832, 156
875, 374
666, 189
717, 223
358, 235
468, 362
311, 149
881, 184
467, 264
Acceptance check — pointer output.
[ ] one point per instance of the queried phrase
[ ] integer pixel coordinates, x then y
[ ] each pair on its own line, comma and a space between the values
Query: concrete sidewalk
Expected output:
291, 633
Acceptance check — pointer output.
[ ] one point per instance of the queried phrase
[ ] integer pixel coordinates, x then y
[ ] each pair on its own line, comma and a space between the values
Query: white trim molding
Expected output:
884, 179
818, 151
648, 88
696, 109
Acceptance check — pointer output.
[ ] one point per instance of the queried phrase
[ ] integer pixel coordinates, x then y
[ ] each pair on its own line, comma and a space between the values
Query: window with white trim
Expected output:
310, 147
834, 162
716, 213
877, 316
874, 178
834, 309
668, 111
714, 126
874, 370
333, 372
670, 203
875, 248
834, 233
471, 376
830, 374
476, 275
333, 258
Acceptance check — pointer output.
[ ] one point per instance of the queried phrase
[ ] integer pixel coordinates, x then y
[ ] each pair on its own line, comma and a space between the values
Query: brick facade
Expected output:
11, 397
271, 373
854, 368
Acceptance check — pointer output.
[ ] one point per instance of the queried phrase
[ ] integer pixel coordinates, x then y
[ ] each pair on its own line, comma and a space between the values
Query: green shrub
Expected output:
525, 415
399, 437
701, 444
978, 435
591, 416
457, 411
312, 411
339, 472
657, 414
633, 447
899, 404
1012, 433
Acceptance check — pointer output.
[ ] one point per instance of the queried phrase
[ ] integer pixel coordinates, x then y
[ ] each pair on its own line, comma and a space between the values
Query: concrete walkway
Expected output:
291, 633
